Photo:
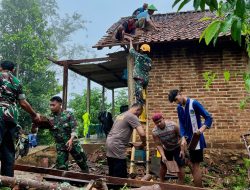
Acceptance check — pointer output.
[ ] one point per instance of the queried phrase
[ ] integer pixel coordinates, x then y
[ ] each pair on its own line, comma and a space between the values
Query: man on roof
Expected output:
140, 9
126, 29
145, 20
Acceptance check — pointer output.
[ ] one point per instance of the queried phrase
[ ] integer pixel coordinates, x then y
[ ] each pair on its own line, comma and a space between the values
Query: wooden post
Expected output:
88, 96
103, 98
130, 66
113, 102
65, 85
147, 135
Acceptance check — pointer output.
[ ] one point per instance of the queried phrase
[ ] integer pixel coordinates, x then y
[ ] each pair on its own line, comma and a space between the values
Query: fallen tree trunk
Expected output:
29, 183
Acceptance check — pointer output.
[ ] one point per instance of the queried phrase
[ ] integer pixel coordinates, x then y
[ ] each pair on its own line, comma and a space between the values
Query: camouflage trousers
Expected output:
143, 24
139, 86
8, 133
77, 153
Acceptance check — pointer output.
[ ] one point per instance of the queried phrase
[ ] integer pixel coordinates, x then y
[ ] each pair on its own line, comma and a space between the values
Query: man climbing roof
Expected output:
144, 19
140, 9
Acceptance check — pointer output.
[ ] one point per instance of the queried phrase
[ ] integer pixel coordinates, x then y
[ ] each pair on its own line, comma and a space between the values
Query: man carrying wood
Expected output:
118, 140
166, 135
189, 113
64, 132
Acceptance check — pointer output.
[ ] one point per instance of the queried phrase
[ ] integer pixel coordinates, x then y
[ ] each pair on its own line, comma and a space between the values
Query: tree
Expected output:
29, 33
121, 99
26, 40
79, 106
79, 102
231, 16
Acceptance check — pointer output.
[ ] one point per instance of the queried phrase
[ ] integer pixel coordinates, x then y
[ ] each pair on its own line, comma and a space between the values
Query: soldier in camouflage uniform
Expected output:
64, 133
10, 94
141, 70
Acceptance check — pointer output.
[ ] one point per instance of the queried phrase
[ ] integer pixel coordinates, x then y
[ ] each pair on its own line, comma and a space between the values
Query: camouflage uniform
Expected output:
140, 73
64, 126
10, 93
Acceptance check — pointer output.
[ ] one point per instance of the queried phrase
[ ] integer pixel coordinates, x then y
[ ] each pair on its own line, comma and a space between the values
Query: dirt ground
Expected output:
221, 168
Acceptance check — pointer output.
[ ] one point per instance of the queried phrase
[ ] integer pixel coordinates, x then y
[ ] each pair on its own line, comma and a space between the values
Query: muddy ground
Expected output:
222, 169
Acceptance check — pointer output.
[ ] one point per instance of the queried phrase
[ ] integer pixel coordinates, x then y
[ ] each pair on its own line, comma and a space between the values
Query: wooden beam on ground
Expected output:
30, 184
111, 180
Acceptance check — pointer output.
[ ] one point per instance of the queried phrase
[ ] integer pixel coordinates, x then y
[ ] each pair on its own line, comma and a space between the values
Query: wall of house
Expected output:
181, 65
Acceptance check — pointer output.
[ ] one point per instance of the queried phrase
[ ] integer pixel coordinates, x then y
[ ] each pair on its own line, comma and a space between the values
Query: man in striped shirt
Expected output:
166, 135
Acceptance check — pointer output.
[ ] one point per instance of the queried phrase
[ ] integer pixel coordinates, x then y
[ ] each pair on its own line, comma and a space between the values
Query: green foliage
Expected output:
29, 33
45, 137
209, 77
79, 102
121, 99
124, 187
239, 181
226, 75
79, 105
25, 39
233, 15
246, 78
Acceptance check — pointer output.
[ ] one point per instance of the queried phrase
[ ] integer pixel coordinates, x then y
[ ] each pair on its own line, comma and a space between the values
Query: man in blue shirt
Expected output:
140, 9
189, 113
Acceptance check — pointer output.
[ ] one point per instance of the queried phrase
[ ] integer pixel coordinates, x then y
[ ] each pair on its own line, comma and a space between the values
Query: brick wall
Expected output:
182, 65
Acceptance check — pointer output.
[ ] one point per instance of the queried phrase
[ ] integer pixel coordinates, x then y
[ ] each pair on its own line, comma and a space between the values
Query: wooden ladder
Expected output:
146, 124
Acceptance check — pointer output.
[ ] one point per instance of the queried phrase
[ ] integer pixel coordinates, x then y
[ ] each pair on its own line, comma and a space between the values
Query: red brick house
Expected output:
179, 60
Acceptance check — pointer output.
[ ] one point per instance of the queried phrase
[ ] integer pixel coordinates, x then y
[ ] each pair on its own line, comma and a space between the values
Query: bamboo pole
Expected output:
147, 134
130, 66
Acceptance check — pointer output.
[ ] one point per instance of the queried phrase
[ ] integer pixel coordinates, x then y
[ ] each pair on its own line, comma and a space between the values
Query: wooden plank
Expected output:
88, 95
112, 180
65, 86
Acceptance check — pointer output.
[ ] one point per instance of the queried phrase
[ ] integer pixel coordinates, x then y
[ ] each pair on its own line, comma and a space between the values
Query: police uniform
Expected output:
10, 93
64, 126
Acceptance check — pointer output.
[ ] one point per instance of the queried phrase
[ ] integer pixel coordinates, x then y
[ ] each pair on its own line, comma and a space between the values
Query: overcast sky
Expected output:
101, 14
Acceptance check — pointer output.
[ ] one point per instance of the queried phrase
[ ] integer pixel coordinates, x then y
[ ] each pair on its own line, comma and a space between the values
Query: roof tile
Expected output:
173, 26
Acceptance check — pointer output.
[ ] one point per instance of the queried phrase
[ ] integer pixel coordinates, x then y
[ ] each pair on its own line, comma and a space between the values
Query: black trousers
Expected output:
8, 133
117, 167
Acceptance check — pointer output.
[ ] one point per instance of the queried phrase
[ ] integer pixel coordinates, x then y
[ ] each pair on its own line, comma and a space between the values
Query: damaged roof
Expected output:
173, 27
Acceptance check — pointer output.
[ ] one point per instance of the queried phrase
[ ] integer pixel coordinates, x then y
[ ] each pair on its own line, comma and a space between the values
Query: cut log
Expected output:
29, 183
152, 187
